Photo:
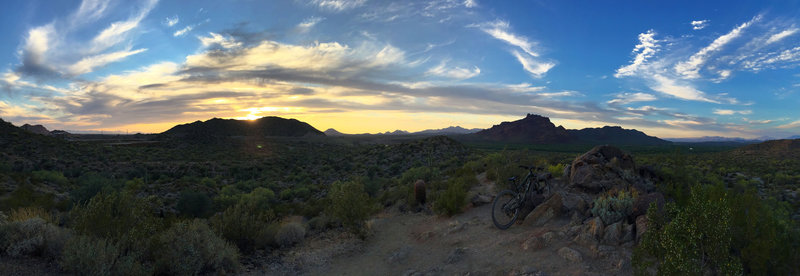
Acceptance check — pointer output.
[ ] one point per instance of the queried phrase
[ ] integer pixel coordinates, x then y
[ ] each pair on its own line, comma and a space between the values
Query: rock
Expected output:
586, 240
575, 202
641, 227
456, 256
544, 212
595, 227
548, 237
398, 256
481, 199
602, 168
533, 243
612, 233
643, 202
603, 251
570, 254
628, 233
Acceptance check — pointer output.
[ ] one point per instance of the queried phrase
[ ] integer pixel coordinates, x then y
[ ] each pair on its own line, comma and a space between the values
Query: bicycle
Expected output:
506, 205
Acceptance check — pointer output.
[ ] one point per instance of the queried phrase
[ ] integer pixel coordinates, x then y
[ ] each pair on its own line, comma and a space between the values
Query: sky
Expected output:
669, 68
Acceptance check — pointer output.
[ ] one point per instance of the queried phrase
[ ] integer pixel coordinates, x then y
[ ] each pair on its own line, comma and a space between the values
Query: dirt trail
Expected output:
465, 244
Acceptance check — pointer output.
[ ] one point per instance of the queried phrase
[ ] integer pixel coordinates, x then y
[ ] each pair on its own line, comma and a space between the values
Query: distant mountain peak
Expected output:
265, 126
38, 129
333, 132
532, 129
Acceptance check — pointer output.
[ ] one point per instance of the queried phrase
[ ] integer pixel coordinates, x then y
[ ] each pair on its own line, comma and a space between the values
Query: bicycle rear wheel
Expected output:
505, 209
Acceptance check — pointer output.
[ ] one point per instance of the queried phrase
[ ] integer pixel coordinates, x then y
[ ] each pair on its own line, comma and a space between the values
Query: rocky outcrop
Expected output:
544, 212
602, 168
531, 129
643, 202
38, 129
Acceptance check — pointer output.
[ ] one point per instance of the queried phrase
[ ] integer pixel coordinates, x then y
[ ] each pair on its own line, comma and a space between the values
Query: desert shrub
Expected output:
242, 224
260, 198
26, 196
413, 174
191, 248
32, 237
194, 204
86, 255
612, 209
350, 204
556, 170
452, 200
290, 234
120, 217
25, 213
89, 185
50, 176
286, 194
319, 223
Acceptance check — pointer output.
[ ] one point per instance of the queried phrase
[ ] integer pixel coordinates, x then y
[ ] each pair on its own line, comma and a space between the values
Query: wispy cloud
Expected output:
647, 48
338, 5
183, 31
536, 68
88, 64
732, 112
470, 3
309, 23
171, 21
690, 68
626, 98
528, 57
458, 73
781, 35
699, 24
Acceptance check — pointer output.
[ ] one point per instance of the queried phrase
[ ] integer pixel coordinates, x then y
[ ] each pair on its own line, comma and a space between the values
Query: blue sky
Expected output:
669, 68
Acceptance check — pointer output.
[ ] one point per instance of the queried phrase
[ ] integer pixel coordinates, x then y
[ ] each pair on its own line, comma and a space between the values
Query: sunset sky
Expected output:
668, 68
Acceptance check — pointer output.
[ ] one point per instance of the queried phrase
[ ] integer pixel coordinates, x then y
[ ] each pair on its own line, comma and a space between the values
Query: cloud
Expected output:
59, 48
309, 23
183, 31
795, 124
536, 68
679, 90
780, 36
171, 21
626, 98
699, 24
470, 3
500, 30
215, 39
454, 72
647, 48
732, 112
690, 69
338, 5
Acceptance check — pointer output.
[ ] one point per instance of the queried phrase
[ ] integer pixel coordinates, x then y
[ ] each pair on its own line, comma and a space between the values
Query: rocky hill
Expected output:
773, 148
615, 135
226, 128
531, 129
38, 129
448, 130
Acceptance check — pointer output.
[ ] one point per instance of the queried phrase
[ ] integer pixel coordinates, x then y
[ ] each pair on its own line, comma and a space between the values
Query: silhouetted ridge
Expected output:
531, 129
221, 128
615, 135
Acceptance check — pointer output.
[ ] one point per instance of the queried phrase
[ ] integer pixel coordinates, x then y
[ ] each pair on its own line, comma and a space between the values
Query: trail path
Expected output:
465, 244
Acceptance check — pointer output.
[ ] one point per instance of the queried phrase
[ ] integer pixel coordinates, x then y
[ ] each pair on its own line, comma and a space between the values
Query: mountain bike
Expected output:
506, 205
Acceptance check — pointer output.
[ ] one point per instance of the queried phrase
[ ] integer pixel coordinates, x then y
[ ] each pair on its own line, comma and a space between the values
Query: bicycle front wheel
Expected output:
505, 209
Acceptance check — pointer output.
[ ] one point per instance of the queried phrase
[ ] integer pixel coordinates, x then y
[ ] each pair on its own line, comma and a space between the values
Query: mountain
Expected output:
615, 135
713, 139
333, 132
222, 128
448, 130
793, 137
531, 129
772, 148
396, 132
38, 129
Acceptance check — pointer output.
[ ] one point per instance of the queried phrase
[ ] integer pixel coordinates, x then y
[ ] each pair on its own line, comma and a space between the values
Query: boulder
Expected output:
570, 254
643, 202
602, 168
628, 233
544, 212
612, 234
641, 227
575, 202
533, 243
481, 199
594, 227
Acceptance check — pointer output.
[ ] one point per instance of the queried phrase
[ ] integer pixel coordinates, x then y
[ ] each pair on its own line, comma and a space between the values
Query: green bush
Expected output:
26, 196
90, 185
25, 213
243, 225
194, 204
350, 204
452, 200
119, 217
191, 248
86, 255
50, 176
290, 234
556, 170
32, 237
612, 209
260, 198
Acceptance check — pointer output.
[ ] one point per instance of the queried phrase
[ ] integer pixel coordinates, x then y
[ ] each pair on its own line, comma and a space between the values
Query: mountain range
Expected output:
217, 128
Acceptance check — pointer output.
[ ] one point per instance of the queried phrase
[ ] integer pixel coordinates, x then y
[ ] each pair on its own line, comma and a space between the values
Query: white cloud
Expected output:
795, 124
183, 31
647, 47
779, 36
171, 21
732, 112
500, 30
89, 10
534, 67
470, 3
626, 98
88, 64
338, 5
309, 23
116, 32
699, 24
690, 69
218, 39
678, 90
458, 73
